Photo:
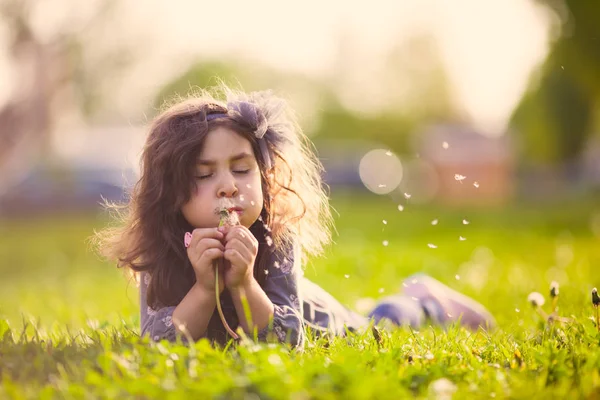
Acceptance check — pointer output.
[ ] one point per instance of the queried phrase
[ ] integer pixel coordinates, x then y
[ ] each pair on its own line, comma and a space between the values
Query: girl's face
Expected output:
226, 168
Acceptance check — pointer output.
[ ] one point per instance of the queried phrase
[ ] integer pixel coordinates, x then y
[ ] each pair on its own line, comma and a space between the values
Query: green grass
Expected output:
69, 322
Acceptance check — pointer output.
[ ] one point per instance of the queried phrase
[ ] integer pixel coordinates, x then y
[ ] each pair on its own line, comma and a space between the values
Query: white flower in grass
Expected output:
536, 299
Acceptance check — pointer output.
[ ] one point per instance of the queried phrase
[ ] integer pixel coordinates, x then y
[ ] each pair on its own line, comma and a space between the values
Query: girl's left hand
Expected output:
241, 248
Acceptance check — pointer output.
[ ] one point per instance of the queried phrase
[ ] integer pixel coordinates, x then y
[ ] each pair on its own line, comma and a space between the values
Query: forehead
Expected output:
222, 142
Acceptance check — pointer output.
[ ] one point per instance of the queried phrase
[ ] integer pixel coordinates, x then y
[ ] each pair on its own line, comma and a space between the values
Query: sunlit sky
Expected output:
489, 47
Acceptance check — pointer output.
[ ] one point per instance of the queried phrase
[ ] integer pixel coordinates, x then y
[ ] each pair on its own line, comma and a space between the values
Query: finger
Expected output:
201, 233
243, 235
210, 255
241, 247
235, 257
207, 243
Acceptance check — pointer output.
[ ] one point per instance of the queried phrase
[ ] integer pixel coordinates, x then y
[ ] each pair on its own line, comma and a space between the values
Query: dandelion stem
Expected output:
219, 309
597, 318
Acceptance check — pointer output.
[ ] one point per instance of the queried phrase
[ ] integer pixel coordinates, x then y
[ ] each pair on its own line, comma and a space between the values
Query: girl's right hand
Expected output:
206, 246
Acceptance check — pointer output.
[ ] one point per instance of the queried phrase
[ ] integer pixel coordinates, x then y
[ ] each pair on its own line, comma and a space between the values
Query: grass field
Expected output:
69, 322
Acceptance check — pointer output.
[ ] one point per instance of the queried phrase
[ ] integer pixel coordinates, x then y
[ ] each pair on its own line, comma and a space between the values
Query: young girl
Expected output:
199, 279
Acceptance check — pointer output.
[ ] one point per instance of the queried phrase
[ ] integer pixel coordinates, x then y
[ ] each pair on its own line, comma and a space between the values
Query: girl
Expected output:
249, 152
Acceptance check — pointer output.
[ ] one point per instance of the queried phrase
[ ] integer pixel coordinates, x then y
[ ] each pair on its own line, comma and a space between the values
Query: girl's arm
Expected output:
260, 307
194, 311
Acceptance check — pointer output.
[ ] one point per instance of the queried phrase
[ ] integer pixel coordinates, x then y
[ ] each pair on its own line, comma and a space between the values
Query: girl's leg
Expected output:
426, 298
444, 305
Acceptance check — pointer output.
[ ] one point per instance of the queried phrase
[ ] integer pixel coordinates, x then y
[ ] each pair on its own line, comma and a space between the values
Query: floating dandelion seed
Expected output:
388, 153
445, 145
517, 310
434, 222
241, 197
432, 246
276, 264
465, 222
459, 177
400, 207
385, 243
384, 222
249, 186
346, 276
252, 202
462, 239
266, 272
407, 195
382, 185
381, 290
269, 241
457, 277
476, 184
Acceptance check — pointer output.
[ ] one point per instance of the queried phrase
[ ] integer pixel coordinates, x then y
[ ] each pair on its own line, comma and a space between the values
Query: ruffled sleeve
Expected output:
157, 324
281, 286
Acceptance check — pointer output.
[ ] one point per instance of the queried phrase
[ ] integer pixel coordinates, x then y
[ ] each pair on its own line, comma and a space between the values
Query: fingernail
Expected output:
187, 239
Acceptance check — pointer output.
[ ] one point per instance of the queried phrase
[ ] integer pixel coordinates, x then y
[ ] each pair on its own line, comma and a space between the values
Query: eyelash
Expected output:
242, 172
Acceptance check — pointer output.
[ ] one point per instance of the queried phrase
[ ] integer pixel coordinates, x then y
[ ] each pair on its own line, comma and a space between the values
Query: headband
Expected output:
253, 116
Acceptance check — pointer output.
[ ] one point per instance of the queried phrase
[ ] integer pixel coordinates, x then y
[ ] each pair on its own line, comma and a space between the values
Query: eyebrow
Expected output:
236, 157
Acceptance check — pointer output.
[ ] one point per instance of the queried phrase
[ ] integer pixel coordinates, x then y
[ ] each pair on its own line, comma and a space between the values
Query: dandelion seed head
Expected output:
536, 299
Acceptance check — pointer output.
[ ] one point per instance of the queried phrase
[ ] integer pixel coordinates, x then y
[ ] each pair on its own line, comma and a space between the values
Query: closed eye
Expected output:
204, 176
245, 171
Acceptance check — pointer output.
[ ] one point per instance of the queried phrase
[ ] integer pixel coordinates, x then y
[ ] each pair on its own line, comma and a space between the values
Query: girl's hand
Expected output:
241, 248
205, 246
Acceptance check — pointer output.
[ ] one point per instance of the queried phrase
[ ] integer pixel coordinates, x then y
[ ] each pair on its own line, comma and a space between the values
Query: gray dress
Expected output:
298, 303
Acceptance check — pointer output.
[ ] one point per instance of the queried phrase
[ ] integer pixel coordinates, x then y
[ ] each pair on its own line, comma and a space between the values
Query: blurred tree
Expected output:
57, 69
560, 110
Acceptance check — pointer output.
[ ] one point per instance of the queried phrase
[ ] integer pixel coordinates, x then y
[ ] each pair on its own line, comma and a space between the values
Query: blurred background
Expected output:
483, 113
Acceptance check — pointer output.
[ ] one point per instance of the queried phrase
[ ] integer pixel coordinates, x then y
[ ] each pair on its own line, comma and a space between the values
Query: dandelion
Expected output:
400, 207
537, 301
432, 246
596, 303
434, 222
459, 177
554, 295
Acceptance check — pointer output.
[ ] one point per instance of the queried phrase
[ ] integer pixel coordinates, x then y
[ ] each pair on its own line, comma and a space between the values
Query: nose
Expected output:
227, 186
